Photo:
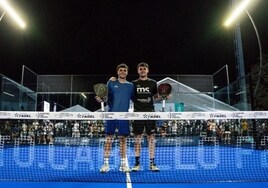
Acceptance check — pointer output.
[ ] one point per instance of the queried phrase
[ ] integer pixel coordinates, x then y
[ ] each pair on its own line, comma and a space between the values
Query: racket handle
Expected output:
131, 108
163, 105
102, 106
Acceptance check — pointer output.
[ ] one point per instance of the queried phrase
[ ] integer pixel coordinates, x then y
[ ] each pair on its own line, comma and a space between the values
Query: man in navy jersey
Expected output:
145, 94
120, 92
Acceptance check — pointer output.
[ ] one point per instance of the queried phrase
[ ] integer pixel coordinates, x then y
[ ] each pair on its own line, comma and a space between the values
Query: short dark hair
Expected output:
122, 65
143, 64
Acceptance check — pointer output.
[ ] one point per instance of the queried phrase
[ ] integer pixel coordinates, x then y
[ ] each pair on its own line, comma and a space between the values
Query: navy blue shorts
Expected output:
121, 125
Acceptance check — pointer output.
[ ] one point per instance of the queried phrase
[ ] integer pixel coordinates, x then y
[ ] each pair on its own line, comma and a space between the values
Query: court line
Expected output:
128, 179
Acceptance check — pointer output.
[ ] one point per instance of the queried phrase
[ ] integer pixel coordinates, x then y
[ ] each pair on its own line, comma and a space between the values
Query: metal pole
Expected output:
240, 65
228, 83
219, 70
260, 49
227, 80
71, 95
21, 84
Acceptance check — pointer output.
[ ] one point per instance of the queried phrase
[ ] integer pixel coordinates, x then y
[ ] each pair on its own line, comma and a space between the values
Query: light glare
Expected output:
240, 8
84, 95
9, 10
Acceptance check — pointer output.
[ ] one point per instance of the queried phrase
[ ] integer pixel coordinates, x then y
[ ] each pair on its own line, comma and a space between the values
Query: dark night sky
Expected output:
93, 36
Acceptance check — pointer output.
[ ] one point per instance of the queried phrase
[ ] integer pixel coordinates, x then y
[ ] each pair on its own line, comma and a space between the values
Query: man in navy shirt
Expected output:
120, 92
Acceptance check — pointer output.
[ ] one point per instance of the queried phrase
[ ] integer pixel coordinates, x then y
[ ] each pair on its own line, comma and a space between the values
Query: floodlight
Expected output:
10, 11
237, 12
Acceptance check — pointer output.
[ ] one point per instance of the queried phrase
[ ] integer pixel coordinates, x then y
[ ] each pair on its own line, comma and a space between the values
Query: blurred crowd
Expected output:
44, 131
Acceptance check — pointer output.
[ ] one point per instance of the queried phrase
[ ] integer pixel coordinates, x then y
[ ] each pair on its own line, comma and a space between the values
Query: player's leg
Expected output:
123, 132
109, 131
150, 131
138, 127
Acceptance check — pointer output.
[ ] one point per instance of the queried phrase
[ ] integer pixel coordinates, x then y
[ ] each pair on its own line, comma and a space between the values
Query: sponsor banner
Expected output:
22, 115
136, 115
4, 115
156, 115
133, 115
195, 115
258, 114
76, 115
218, 115
89, 116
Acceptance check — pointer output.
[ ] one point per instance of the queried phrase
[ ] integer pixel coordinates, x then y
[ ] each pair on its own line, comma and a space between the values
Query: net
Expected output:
191, 147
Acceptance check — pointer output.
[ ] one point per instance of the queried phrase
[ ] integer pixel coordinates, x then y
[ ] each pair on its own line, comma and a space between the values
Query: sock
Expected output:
123, 161
137, 160
106, 161
151, 161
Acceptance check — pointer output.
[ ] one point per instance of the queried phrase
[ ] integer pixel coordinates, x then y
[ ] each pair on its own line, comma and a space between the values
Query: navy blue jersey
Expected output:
119, 95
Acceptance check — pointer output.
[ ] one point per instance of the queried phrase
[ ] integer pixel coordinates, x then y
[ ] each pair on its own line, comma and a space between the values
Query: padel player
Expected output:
145, 94
120, 92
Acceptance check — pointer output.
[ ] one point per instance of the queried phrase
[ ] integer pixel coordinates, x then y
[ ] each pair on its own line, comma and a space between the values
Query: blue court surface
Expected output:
136, 185
182, 165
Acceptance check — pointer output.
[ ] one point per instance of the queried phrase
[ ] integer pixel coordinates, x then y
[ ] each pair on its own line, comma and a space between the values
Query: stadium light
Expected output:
242, 7
237, 12
10, 11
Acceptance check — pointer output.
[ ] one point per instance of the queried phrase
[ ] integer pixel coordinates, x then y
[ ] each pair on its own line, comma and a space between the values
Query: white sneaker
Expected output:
154, 168
105, 168
136, 168
124, 168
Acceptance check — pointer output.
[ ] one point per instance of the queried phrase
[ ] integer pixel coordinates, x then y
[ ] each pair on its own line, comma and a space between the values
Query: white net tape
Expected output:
134, 115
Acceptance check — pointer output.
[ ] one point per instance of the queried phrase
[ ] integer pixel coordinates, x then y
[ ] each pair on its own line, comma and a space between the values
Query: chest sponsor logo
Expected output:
143, 90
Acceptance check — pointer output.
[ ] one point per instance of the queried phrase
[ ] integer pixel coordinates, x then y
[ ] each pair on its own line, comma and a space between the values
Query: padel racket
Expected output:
101, 91
164, 90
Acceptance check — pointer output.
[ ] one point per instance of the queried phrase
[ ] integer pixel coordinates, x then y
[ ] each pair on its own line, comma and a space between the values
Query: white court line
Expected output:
128, 179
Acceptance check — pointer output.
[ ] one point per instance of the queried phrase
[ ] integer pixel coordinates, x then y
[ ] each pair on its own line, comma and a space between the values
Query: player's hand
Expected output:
99, 99
157, 97
169, 96
113, 78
